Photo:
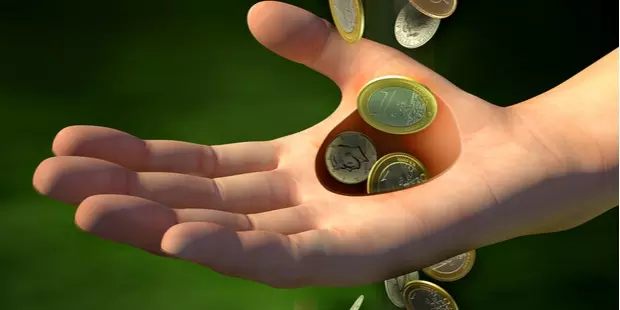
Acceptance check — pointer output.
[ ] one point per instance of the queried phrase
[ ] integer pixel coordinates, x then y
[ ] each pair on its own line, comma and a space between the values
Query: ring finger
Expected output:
142, 223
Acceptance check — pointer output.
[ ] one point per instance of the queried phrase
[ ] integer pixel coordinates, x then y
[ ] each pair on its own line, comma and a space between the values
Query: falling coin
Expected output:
394, 287
435, 8
414, 29
452, 269
358, 303
350, 156
397, 105
395, 171
424, 295
348, 17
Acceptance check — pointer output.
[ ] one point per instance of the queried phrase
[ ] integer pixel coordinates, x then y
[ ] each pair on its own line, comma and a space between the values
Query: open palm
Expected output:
268, 211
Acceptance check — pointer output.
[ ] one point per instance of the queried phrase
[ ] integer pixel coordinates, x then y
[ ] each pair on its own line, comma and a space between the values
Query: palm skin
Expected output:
265, 211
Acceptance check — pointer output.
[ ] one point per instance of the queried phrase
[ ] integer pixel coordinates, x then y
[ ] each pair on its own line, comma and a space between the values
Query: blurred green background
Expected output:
190, 70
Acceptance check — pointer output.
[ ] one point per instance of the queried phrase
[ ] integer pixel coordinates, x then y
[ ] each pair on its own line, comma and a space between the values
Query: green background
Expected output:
190, 70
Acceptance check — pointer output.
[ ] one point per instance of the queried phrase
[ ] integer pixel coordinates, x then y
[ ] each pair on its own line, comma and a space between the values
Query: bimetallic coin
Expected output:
424, 295
348, 17
435, 8
358, 303
397, 105
394, 287
350, 156
395, 171
413, 29
452, 269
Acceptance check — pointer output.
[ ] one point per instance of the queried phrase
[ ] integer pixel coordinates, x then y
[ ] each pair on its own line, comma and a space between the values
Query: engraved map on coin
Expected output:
397, 106
451, 265
350, 156
347, 157
345, 11
413, 29
398, 176
423, 299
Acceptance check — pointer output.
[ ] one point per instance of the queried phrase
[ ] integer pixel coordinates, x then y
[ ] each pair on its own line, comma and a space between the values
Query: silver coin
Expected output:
350, 156
358, 303
412, 28
394, 288
346, 14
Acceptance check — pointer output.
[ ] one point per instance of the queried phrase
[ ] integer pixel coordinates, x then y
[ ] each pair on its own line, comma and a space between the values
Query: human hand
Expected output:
266, 211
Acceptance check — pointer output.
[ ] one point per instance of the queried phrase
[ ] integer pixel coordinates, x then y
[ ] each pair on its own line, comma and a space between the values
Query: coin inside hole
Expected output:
437, 147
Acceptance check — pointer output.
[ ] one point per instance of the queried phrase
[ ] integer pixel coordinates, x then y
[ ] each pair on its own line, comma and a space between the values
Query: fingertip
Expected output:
67, 140
46, 176
287, 30
125, 219
183, 240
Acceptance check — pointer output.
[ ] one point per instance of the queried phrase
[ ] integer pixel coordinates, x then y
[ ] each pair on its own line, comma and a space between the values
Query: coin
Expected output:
358, 303
452, 269
394, 287
397, 105
395, 171
350, 156
348, 17
413, 29
424, 295
435, 8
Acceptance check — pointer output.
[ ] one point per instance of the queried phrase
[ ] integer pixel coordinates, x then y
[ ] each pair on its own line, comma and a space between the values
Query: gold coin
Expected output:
395, 171
435, 8
348, 17
424, 295
452, 269
397, 105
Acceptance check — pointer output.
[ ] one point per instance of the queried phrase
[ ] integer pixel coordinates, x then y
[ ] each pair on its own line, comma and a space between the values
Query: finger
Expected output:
141, 223
284, 221
73, 179
314, 257
127, 220
165, 156
303, 37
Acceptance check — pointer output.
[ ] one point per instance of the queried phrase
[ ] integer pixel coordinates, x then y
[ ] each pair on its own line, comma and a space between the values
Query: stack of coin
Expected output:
411, 293
415, 25
395, 105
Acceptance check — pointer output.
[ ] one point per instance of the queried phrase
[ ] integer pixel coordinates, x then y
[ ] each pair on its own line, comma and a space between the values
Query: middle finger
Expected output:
73, 179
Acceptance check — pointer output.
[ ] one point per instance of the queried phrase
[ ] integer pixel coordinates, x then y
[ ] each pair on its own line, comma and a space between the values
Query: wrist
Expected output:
570, 147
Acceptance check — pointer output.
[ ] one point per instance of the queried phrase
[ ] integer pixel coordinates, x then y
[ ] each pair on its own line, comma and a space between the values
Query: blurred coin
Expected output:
348, 17
394, 287
452, 269
413, 29
358, 303
435, 8
395, 171
424, 295
397, 105
350, 156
